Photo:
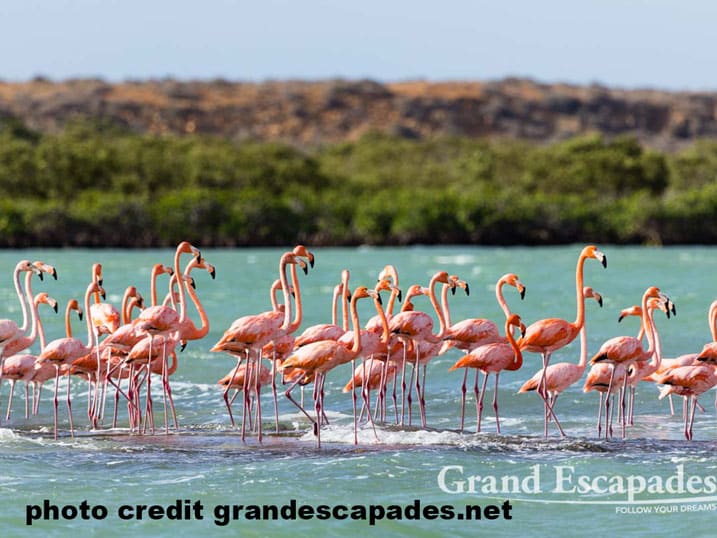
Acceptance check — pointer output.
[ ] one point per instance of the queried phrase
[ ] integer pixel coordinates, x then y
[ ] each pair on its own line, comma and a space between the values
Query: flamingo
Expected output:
22, 367
319, 357
253, 332
598, 379
689, 382
628, 349
562, 375
24, 341
469, 334
642, 369
493, 358
103, 313
547, 335
373, 344
164, 320
416, 327
64, 350
9, 330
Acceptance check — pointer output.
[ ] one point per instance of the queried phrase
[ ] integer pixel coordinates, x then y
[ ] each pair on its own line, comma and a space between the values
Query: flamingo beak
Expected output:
599, 300
183, 344
622, 316
400, 295
54, 307
604, 261
468, 289
213, 272
522, 292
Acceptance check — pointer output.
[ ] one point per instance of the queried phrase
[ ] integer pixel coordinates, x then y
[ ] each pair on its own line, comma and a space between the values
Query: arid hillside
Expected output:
307, 113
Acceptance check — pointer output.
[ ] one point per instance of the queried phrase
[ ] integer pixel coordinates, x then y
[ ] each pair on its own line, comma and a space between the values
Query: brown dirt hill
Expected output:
306, 113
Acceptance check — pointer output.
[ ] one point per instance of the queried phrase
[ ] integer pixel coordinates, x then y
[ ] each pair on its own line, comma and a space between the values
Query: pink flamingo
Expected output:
320, 357
628, 349
494, 358
689, 382
547, 335
22, 367
103, 314
562, 375
9, 330
417, 327
642, 369
64, 350
253, 332
599, 379
469, 334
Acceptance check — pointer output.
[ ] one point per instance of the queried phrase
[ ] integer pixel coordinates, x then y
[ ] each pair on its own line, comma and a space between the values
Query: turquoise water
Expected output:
556, 487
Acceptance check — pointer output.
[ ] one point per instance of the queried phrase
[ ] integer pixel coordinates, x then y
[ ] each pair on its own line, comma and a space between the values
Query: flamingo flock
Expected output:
130, 348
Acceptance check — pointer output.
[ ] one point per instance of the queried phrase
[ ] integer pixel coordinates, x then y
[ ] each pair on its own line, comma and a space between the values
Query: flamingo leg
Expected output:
69, 406
495, 403
9, 400
480, 401
463, 398
543, 392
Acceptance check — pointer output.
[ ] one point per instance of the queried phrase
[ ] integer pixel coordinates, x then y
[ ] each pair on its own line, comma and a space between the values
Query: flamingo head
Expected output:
97, 273
630, 311
589, 292
43, 267
185, 247
513, 280
73, 304
301, 250
591, 251
389, 272
458, 283
363, 291
515, 321
44, 298
386, 284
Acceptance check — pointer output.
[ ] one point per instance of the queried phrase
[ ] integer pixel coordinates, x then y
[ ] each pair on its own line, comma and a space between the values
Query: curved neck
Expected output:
272, 293
648, 321
355, 348
68, 323
33, 308
338, 290
437, 308
712, 320
580, 318
297, 298
88, 316
285, 289
344, 299
582, 363
129, 292
384, 321
444, 305
203, 329
20, 296
153, 285
518, 362
127, 313
180, 282
40, 331
501, 300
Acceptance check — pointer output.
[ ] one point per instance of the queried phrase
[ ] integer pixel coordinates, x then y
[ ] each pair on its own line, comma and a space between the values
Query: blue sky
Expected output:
626, 43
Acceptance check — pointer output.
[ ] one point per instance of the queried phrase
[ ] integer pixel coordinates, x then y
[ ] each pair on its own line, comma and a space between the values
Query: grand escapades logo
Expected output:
553, 482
